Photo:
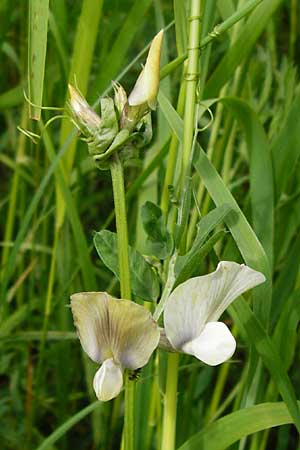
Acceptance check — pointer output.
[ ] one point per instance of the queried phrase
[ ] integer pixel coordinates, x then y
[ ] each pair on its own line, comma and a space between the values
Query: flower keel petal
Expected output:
108, 380
214, 345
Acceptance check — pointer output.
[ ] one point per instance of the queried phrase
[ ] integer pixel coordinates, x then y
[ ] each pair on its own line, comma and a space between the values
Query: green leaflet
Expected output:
229, 429
185, 265
144, 281
159, 241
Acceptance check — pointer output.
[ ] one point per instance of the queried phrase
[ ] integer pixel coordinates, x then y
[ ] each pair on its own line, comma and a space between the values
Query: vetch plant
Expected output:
119, 334
194, 307
113, 138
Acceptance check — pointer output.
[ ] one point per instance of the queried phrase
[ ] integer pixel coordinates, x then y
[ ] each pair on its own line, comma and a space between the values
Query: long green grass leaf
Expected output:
228, 430
38, 28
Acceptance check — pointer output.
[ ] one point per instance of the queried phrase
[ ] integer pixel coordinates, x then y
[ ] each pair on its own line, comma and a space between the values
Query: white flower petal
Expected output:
90, 312
214, 345
203, 299
108, 380
146, 86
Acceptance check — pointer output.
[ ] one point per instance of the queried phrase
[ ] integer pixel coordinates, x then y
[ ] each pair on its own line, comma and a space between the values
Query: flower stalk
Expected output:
117, 177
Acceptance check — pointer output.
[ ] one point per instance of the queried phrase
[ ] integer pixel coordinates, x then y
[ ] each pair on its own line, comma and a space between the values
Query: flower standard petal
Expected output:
134, 333
108, 380
90, 312
203, 299
109, 327
214, 345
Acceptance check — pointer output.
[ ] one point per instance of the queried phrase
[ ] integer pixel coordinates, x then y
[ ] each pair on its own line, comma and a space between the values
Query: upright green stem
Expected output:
117, 177
170, 406
191, 77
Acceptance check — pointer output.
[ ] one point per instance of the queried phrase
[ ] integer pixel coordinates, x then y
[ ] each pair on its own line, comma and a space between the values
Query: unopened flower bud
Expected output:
144, 94
120, 97
146, 86
83, 116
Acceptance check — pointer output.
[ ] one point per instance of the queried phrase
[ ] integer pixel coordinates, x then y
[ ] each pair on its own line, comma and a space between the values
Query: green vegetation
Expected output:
219, 181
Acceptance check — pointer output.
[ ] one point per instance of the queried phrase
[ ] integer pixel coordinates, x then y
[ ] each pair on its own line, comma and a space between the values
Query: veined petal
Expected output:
108, 380
90, 313
112, 328
203, 299
214, 345
146, 86
134, 333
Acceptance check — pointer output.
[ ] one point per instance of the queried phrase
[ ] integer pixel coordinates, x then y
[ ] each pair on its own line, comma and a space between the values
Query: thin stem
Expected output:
170, 407
117, 177
191, 80
192, 77
172, 156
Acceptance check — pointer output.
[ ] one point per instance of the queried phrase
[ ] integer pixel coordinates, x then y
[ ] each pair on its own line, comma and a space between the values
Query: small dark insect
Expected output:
134, 375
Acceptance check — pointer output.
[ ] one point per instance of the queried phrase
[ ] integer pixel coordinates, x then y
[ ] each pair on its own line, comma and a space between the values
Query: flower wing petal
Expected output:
214, 345
108, 380
203, 299
90, 313
134, 333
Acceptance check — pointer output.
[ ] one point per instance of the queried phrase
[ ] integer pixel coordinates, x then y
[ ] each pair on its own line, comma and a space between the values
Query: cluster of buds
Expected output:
120, 334
124, 124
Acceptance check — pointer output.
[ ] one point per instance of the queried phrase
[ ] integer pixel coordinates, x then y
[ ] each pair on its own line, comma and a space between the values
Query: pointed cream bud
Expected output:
108, 380
147, 84
120, 97
84, 117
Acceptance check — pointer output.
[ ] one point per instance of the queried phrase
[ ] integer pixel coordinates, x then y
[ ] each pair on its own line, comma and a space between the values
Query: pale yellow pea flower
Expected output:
118, 334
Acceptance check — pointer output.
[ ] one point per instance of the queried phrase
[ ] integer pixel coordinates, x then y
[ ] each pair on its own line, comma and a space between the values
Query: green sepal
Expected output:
107, 130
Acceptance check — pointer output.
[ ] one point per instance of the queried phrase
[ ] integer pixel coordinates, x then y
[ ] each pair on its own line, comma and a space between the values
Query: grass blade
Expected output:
38, 28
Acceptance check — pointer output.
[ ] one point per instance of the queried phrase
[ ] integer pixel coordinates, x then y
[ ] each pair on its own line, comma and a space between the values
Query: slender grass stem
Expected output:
117, 177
